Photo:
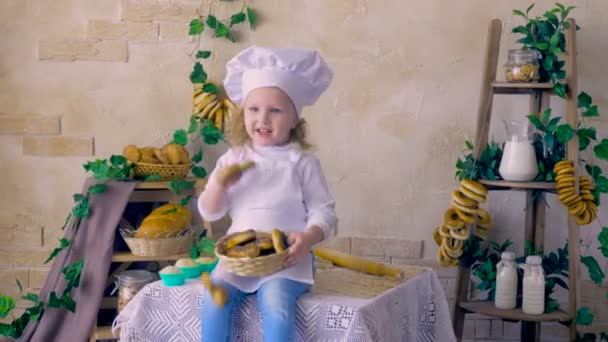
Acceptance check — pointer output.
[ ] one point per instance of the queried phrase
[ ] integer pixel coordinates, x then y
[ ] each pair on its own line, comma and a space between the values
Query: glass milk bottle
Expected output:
533, 286
506, 282
518, 161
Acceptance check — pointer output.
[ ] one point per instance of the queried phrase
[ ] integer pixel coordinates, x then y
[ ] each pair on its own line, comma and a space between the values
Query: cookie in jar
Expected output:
522, 66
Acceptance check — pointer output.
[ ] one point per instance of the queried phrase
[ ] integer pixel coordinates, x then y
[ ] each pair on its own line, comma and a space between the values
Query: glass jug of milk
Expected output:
518, 161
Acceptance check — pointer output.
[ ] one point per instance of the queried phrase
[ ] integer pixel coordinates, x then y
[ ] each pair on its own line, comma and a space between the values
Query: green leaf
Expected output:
196, 27
519, 13
178, 185
541, 46
193, 127
212, 21
211, 135
591, 112
198, 75
601, 184
67, 220
199, 172
251, 17
153, 178
222, 30
595, 272
548, 62
117, 160
564, 133
552, 18
210, 88
63, 244
32, 297
7, 304
552, 125
554, 39
601, 150
469, 145
180, 137
556, 51
19, 285
585, 135
551, 305
546, 115
237, 18
97, 189
197, 157
54, 301
584, 316
36, 311
193, 252
82, 209
520, 29
559, 75
594, 171
603, 239
559, 89
536, 122
72, 273
529, 8
184, 201
584, 100
203, 54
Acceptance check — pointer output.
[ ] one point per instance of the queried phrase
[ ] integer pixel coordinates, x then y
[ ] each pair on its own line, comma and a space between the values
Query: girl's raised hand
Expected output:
232, 173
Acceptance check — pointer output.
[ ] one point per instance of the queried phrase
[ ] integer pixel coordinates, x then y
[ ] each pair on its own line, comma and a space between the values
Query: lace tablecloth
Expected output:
414, 310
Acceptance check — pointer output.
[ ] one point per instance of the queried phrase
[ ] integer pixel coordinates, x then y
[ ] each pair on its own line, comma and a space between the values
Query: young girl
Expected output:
285, 189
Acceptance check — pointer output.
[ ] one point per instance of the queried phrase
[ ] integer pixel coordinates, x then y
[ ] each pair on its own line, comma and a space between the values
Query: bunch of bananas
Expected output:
581, 204
210, 106
451, 236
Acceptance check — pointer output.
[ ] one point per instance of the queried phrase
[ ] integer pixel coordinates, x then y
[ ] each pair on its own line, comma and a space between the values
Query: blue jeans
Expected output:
277, 300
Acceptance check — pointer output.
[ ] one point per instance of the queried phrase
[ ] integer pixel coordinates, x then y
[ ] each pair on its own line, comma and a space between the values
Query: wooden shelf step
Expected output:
506, 185
520, 88
200, 183
487, 308
129, 257
104, 333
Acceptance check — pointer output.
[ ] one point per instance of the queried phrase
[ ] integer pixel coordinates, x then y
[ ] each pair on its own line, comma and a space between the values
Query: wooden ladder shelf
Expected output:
539, 94
143, 192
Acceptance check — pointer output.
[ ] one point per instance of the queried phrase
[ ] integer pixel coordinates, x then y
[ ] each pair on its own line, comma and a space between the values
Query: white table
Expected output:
414, 310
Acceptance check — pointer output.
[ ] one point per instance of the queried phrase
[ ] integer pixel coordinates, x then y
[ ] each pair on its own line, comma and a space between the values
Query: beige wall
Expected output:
80, 79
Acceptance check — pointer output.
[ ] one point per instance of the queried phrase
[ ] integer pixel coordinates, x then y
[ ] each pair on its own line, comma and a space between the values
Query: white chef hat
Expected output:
301, 73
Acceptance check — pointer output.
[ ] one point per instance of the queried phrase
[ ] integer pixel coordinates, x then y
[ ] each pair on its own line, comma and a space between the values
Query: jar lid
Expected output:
524, 53
535, 260
509, 256
135, 277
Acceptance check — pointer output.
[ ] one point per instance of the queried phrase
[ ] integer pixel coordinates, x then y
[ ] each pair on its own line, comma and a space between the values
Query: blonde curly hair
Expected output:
237, 133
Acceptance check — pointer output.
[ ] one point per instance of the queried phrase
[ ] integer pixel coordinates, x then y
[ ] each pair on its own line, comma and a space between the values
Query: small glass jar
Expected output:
130, 282
522, 66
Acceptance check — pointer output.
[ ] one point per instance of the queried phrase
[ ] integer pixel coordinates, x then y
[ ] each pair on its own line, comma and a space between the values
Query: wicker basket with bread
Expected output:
253, 254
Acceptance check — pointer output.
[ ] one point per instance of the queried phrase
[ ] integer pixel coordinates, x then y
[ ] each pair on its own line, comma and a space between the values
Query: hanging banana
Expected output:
210, 106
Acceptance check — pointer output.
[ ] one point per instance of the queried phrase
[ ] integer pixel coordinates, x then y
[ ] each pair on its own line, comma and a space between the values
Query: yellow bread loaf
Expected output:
165, 221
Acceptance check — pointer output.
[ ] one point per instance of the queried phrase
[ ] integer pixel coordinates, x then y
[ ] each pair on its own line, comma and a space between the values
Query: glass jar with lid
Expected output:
130, 282
522, 66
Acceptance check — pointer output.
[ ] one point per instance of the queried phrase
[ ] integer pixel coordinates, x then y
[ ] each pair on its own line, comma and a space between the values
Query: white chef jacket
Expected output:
285, 189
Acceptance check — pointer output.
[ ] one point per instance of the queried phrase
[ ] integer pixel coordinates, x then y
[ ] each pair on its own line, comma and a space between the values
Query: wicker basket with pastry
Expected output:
253, 254
166, 230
